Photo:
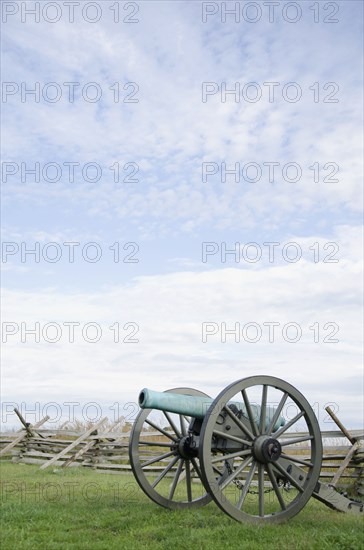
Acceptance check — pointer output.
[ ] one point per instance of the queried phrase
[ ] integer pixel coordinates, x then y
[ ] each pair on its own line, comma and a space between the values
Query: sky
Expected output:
172, 170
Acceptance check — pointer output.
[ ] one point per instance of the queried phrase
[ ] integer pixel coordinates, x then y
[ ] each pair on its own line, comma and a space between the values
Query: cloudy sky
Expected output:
178, 171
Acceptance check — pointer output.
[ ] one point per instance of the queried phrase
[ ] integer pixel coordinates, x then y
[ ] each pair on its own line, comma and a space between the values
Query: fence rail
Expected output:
105, 449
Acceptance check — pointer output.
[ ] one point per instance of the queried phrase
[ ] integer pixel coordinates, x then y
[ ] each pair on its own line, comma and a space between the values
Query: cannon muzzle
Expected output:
197, 406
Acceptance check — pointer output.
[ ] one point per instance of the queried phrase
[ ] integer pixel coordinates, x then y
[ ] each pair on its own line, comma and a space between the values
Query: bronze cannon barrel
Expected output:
197, 406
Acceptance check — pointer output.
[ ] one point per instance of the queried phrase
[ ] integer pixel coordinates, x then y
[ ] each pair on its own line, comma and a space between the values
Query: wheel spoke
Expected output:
289, 424
175, 479
165, 471
275, 485
220, 458
153, 444
250, 413
297, 440
239, 423
299, 461
277, 413
173, 425
196, 467
160, 430
247, 484
288, 476
182, 424
231, 437
188, 481
232, 476
217, 471
261, 489
157, 459
263, 409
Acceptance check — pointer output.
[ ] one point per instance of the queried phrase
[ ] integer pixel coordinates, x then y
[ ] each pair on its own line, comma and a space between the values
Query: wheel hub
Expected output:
266, 449
186, 447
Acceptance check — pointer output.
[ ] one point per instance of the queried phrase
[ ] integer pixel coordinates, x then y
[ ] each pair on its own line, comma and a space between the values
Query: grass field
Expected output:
80, 509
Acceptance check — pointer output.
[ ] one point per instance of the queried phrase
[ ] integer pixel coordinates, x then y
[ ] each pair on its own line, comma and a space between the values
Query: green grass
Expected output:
85, 510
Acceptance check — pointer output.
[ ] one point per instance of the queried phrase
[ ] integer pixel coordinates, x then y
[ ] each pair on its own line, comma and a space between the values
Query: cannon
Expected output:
256, 450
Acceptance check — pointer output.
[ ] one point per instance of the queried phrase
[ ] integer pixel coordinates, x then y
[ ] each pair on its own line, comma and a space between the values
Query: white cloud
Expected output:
169, 311
169, 133
171, 126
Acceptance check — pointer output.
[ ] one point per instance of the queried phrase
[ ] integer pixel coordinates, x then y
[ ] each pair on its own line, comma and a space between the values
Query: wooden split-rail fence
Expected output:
104, 447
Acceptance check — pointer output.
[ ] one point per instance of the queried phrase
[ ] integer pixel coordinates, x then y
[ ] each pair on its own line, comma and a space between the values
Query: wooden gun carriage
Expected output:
256, 450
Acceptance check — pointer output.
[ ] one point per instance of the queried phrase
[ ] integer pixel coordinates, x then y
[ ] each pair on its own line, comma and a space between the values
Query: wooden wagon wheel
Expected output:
270, 479
165, 467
